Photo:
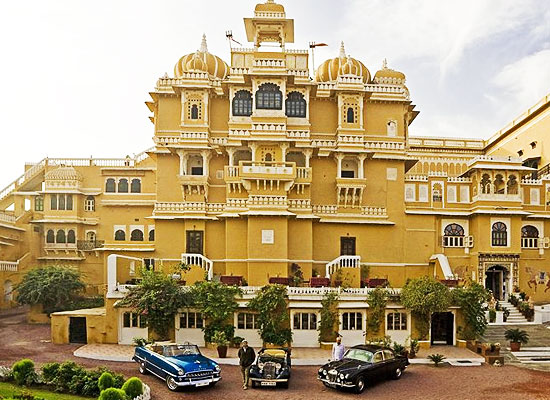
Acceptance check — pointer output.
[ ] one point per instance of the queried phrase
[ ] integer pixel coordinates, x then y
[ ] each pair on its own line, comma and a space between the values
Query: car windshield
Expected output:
359, 354
181, 350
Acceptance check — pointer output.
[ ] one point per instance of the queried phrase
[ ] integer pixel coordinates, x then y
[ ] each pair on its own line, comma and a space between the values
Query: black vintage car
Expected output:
271, 368
361, 364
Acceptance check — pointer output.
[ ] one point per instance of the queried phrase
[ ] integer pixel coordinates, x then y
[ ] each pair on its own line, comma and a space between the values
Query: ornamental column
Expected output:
308, 153
230, 153
339, 158
361, 166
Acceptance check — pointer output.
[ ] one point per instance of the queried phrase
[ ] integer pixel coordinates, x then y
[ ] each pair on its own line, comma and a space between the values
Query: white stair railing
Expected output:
200, 261
342, 262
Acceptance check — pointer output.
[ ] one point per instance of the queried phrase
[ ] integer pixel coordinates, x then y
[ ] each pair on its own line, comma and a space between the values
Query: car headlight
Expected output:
278, 366
347, 376
217, 368
324, 372
342, 376
181, 372
321, 370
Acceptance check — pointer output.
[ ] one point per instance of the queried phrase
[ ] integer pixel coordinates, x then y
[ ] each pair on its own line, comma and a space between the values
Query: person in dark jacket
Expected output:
246, 359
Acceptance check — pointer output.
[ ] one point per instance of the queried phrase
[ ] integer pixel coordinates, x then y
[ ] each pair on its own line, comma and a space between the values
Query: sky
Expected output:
74, 74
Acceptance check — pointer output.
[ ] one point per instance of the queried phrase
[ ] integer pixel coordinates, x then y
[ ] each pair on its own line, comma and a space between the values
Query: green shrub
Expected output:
133, 387
49, 372
113, 394
105, 381
23, 372
65, 374
436, 358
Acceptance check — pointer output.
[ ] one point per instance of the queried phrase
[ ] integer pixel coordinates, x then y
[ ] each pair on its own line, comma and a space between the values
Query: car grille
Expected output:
199, 374
332, 374
269, 370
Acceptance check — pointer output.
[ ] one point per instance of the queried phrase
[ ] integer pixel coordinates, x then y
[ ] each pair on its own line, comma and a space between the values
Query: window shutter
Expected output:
469, 241
544, 243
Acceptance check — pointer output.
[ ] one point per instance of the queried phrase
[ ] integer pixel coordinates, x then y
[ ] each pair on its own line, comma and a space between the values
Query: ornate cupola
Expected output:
269, 25
202, 61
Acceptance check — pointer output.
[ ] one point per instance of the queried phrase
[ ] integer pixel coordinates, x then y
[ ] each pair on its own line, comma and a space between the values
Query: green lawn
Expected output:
8, 389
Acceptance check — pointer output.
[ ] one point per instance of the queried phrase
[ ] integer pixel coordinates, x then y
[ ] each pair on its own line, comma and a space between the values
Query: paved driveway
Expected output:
18, 340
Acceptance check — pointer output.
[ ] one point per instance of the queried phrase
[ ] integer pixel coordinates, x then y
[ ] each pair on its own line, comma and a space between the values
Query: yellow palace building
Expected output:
257, 170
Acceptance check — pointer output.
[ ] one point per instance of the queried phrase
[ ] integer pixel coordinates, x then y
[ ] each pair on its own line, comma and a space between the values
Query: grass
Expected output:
9, 389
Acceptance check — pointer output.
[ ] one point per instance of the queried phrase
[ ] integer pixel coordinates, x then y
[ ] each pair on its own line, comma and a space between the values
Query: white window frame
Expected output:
507, 222
534, 196
121, 228
89, 205
451, 194
410, 187
423, 193
358, 316
300, 320
464, 194
400, 325
540, 227
188, 318
254, 316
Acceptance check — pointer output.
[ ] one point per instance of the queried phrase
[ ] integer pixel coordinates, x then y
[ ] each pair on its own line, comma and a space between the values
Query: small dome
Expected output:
269, 6
330, 70
64, 174
202, 60
388, 75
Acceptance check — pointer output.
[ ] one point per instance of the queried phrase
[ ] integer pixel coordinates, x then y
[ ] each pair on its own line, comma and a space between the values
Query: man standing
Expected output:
338, 349
246, 359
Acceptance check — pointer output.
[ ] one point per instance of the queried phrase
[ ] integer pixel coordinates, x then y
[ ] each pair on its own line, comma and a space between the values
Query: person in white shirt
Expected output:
338, 349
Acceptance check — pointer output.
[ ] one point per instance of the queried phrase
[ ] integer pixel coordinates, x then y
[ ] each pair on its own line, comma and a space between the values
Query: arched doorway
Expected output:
495, 281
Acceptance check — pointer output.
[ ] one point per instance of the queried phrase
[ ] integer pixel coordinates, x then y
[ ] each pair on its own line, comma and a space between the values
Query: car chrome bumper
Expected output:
199, 383
336, 384
268, 380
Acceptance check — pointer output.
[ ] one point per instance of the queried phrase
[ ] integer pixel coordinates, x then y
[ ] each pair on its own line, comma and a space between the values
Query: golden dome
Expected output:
388, 75
330, 70
64, 173
202, 60
269, 6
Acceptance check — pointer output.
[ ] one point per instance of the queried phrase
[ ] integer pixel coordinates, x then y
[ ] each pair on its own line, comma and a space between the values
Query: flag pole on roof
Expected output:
312, 46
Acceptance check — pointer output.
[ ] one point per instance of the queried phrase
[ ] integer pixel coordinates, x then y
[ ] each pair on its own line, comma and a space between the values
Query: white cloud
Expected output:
522, 83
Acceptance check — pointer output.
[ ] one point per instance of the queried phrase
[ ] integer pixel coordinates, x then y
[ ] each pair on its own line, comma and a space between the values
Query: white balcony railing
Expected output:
342, 262
10, 266
198, 260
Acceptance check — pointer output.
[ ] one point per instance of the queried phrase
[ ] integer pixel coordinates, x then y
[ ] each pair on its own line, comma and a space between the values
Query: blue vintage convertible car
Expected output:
178, 365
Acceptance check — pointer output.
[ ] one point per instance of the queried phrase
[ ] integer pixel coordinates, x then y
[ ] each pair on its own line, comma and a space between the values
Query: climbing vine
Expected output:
329, 317
273, 317
377, 300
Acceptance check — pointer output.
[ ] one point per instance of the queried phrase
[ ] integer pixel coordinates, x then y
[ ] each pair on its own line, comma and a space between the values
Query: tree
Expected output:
159, 298
424, 296
217, 303
53, 287
273, 317
471, 299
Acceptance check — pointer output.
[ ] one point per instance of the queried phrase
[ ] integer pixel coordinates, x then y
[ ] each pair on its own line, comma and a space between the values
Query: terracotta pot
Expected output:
222, 351
515, 346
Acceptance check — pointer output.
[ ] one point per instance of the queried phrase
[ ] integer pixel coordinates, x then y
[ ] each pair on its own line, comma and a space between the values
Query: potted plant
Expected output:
492, 315
516, 337
414, 348
180, 270
505, 314
221, 342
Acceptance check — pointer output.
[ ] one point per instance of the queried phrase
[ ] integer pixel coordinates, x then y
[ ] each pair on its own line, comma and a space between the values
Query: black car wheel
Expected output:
253, 384
360, 385
171, 383
142, 369
284, 385
397, 373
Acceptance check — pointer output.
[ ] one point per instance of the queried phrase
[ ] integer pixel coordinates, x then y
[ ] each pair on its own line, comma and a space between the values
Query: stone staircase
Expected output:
515, 316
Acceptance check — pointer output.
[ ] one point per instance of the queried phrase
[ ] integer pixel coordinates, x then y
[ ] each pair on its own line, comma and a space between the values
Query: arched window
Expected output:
61, 202
512, 185
50, 236
437, 193
194, 112
53, 202
69, 202
110, 186
152, 235
136, 186
529, 237
350, 115
39, 203
242, 104
295, 105
268, 157
269, 97
485, 184
89, 205
136, 236
71, 237
499, 234
60, 237
90, 236
453, 236
120, 235
499, 184
123, 185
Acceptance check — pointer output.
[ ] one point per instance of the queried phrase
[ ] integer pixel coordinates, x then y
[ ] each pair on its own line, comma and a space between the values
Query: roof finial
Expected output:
385, 64
270, 1
204, 47
342, 50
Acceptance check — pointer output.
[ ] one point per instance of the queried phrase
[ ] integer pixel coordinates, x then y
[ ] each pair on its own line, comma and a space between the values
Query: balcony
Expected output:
496, 197
349, 191
89, 245
10, 266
